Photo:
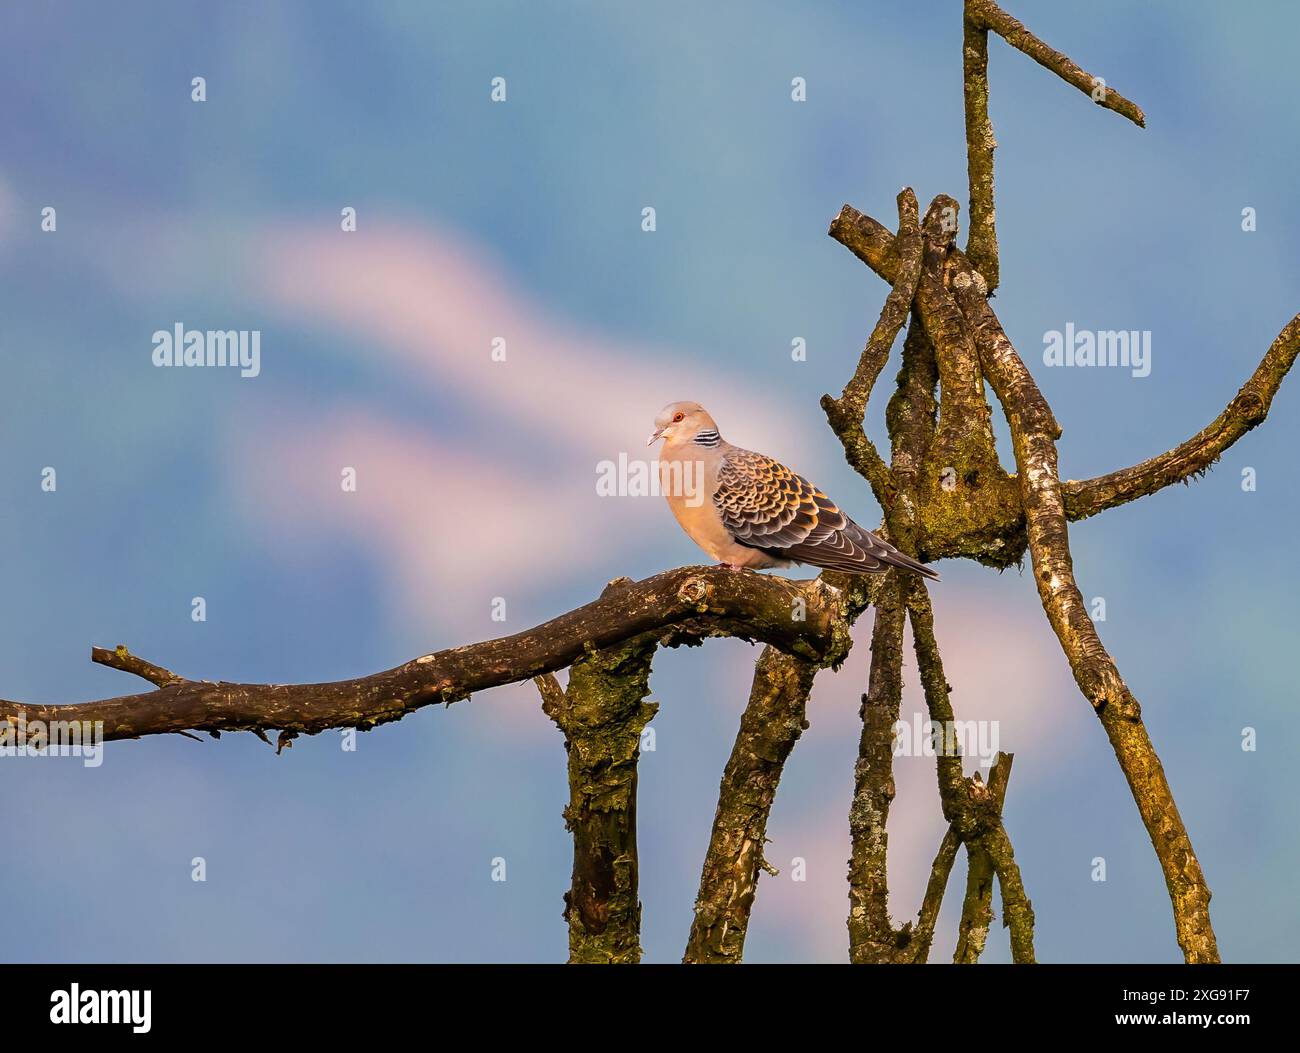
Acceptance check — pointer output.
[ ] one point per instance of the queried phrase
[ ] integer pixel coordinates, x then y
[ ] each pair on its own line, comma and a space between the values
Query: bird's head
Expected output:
681, 422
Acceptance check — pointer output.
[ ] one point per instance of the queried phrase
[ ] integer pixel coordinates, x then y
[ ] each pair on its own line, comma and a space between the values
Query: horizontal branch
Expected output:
685, 606
1197, 454
987, 15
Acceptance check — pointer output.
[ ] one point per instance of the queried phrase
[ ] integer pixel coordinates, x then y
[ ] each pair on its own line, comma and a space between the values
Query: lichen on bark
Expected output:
602, 714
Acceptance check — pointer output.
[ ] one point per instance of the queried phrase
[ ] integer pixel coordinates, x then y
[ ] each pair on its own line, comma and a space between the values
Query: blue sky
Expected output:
522, 220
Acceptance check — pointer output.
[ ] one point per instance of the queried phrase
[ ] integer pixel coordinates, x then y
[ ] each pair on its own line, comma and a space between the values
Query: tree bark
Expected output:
771, 724
602, 715
682, 606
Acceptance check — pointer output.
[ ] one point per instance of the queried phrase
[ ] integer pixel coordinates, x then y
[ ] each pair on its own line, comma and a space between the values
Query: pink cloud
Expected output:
433, 304
451, 530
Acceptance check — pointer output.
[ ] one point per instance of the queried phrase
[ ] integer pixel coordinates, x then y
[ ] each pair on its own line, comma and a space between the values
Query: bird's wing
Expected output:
764, 505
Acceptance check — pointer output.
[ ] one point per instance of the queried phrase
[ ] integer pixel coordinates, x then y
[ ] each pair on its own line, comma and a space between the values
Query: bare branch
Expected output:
121, 658
940, 870
1033, 509
1033, 433
987, 15
682, 606
982, 238
872, 938
960, 502
602, 715
874, 244
979, 17
1017, 911
910, 416
972, 809
870, 241
964, 438
959, 808
845, 414
772, 722
977, 907
552, 695
999, 778
977, 913
1191, 458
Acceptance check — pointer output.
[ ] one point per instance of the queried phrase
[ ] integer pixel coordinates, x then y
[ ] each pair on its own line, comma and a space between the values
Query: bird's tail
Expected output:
896, 558
883, 552
853, 550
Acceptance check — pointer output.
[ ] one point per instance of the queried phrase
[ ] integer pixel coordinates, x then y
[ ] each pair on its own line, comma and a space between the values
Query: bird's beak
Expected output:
654, 437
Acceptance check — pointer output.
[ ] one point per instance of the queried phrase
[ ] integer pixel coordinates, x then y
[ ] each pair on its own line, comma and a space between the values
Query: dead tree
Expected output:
955, 499
944, 494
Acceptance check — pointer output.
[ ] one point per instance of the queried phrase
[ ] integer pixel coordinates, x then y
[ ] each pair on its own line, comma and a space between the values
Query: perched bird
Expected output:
747, 510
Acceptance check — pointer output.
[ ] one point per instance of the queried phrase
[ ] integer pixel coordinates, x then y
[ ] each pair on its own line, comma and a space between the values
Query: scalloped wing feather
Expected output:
764, 505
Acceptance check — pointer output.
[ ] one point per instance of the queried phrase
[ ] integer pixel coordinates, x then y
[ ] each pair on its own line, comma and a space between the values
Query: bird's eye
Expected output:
678, 417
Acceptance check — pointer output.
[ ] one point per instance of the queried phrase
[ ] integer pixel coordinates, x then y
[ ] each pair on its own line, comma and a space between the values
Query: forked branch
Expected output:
987, 15
1034, 432
874, 245
973, 810
979, 18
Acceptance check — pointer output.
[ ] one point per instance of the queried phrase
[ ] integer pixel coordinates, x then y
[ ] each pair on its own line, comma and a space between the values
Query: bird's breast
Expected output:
687, 481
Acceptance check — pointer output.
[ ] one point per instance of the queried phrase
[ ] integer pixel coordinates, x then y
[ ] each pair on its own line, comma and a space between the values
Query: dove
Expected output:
750, 512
